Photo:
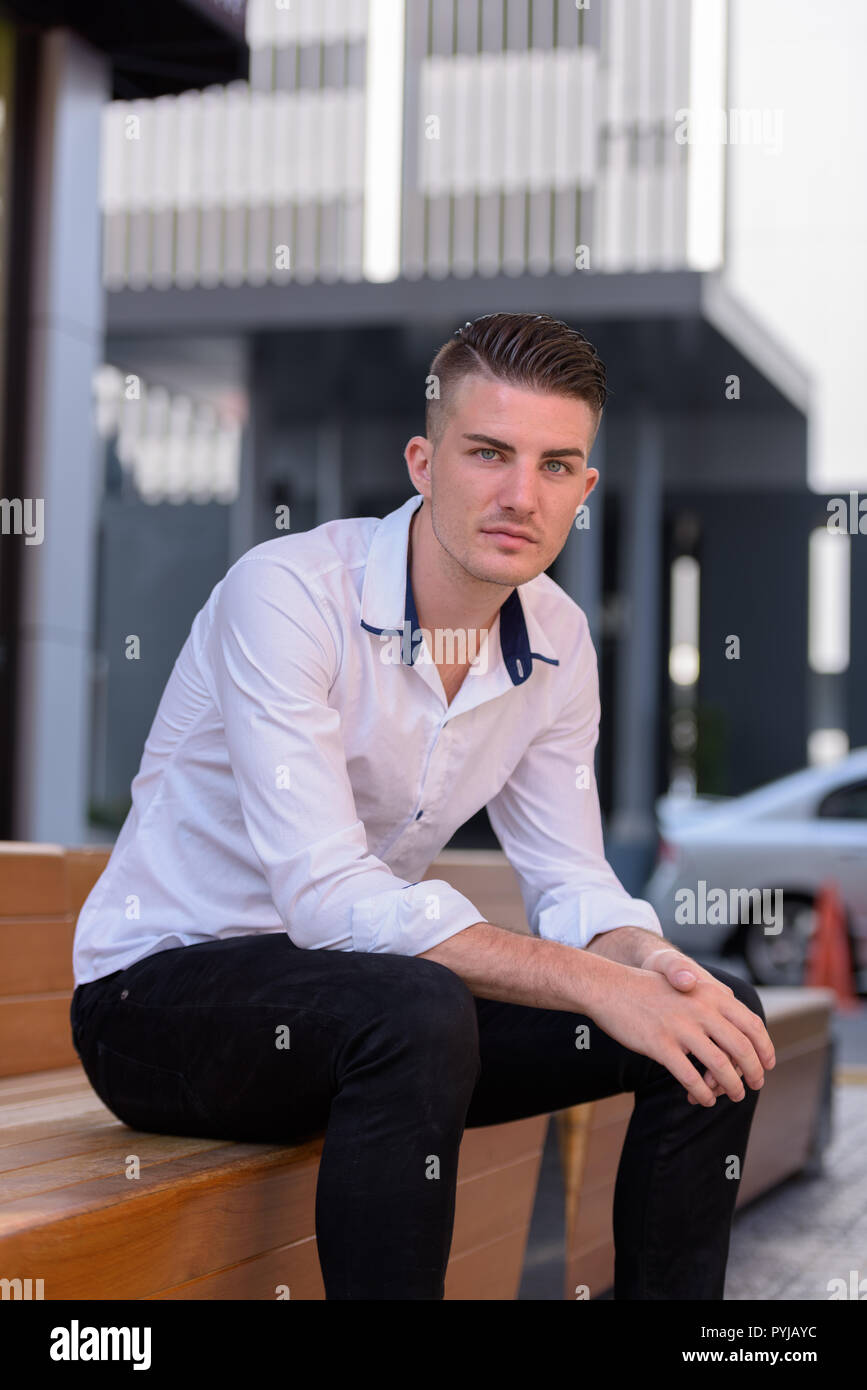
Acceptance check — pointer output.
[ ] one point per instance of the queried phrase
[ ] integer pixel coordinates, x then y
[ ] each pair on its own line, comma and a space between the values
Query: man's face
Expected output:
494, 469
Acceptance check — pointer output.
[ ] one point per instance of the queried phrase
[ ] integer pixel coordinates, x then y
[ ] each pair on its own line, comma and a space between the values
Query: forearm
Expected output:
498, 964
628, 945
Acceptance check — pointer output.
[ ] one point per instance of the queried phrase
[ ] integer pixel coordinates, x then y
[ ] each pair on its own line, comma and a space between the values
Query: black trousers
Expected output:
253, 1039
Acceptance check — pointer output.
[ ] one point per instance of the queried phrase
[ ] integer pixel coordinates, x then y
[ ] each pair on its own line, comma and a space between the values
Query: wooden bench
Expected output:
206, 1219
201, 1221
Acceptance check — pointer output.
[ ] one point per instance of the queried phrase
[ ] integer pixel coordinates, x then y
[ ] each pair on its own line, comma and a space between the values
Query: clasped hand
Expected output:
744, 1046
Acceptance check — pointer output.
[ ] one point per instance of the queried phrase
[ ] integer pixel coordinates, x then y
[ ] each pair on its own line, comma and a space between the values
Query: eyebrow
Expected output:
510, 448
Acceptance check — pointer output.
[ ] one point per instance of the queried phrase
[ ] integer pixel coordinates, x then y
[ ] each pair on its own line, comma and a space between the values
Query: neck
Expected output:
446, 596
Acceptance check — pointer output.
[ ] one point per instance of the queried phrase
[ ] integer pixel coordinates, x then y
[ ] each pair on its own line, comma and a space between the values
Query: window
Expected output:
845, 803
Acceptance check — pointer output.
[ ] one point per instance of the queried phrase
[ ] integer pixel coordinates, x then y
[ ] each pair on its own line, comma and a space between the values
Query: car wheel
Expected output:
781, 959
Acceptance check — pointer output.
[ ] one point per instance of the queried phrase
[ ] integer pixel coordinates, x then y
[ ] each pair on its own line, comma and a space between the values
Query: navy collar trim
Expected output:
514, 641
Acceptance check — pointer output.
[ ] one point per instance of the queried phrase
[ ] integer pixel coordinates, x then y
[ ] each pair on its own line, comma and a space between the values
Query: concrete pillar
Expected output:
632, 822
63, 463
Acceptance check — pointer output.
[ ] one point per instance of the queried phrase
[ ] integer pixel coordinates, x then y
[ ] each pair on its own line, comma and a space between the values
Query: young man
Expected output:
262, 957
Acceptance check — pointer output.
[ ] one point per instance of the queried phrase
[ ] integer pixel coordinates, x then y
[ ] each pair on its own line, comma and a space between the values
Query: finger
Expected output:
714, 1086
674, 1059
751, 1024
737, 1047
702, 1046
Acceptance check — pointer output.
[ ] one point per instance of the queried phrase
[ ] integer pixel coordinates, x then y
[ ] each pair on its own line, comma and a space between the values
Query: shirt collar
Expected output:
388, 604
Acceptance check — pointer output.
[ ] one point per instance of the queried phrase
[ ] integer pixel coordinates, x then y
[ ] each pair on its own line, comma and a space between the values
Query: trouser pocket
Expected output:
144, 1096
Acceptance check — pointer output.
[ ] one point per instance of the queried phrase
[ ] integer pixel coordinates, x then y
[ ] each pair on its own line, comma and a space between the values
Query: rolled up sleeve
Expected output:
548, 821
273, 658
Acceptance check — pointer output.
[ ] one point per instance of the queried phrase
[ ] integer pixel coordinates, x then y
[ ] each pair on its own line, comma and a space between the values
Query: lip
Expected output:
508, 538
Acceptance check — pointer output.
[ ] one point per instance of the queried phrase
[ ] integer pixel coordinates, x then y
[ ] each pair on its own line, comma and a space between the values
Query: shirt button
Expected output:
124, 993
420, 814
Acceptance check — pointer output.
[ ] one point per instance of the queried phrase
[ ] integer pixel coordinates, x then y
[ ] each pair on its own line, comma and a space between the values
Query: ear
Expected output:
418, 454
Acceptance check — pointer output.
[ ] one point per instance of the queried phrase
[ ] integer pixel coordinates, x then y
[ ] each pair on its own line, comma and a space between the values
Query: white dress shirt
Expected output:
304, 768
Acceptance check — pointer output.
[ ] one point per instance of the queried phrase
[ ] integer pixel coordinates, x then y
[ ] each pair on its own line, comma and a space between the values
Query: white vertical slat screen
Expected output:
545, 141
112, 195
466, 40
535, 114
215, 176
645, 249
189, 110
170, 447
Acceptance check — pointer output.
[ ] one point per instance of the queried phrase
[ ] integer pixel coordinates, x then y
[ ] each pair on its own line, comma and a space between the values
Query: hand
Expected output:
707, 1022
683, 973
680, 970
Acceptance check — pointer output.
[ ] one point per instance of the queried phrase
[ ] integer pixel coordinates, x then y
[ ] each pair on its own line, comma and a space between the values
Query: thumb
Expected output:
676, 971
680, 976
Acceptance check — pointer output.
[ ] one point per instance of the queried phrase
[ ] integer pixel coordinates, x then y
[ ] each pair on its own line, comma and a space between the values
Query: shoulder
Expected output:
313, 555
316, 562
292, 583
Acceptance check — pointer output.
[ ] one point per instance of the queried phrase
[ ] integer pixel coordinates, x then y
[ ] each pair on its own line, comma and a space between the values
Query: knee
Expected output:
433, 1026
743, 990
437, 1005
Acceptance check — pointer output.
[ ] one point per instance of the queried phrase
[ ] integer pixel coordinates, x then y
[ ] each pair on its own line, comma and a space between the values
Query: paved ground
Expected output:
792, 1241
787, 1244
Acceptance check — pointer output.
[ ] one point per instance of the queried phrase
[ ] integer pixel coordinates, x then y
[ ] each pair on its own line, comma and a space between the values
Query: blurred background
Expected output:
233, 236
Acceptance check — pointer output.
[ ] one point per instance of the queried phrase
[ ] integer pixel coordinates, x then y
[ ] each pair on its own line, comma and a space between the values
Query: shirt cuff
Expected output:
576, 922
407, 921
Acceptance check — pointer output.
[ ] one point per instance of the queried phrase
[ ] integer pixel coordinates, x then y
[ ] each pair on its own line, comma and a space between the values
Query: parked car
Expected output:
769, 852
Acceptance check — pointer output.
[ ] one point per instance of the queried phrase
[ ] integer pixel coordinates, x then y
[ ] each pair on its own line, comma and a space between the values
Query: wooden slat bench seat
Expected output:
206, 1219
215, 1219
212, 1219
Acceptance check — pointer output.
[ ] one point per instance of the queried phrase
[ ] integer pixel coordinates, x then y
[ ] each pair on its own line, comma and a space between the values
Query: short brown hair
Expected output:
530, 350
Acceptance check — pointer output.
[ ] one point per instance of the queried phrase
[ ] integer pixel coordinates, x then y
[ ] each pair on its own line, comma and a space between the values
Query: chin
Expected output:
506, 569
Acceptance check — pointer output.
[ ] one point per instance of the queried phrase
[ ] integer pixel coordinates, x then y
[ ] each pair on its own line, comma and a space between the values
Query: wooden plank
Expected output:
53, 1081
111, 1138
295, 1265
487, 878
53, 1117
603, 1153
492, 1146
498, 1202
40, 1173
35, 1032
593, 1267
227, 1163
36, 955
32, 879
612, 1108
594, 1220
58, 1125
200, 1212
491, 1271
176, 1231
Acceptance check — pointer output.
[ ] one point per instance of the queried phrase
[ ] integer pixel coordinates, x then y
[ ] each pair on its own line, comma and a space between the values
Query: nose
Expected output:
517, 494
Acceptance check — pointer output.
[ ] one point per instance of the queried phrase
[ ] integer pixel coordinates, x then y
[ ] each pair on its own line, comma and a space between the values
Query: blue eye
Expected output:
486, 450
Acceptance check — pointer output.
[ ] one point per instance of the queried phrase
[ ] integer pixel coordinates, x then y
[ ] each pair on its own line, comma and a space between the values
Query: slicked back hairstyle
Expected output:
533, 351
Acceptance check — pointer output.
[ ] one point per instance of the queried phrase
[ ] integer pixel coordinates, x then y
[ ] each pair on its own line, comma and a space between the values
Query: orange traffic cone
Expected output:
829, 962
